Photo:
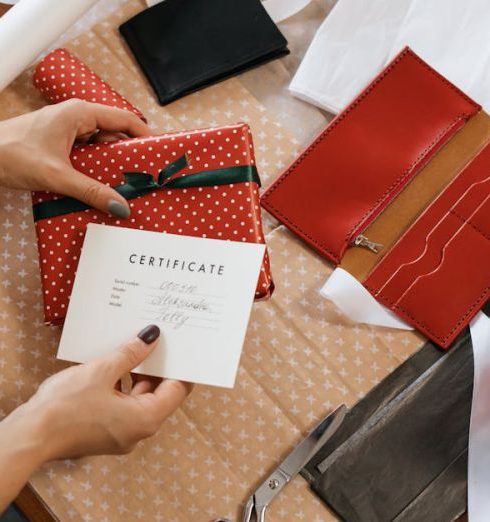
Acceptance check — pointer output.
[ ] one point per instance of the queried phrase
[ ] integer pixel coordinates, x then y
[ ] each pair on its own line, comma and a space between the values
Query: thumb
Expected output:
133, 353
93, 193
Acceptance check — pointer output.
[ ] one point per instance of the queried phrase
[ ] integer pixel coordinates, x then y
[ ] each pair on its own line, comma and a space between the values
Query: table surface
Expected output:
301, 356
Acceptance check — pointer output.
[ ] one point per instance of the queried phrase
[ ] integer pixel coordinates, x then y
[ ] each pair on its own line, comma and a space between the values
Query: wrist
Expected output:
22, 451
27, 434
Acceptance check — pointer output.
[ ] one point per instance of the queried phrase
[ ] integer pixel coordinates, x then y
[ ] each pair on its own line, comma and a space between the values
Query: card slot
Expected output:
461, 199
400, 215
480, 218
441, 235
472, 198
445, 287
429, 259
437, 275
440, 304
461, 230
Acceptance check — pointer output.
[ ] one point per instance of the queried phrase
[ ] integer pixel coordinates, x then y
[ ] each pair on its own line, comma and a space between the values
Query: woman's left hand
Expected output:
35, 150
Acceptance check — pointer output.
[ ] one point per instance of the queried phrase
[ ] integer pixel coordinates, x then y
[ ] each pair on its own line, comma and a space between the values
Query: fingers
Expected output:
125, 385
169, 395
101, 136
150, 409
131, 354
144, 384
113, 124
95, 194
92, 116
108, 137
118, 120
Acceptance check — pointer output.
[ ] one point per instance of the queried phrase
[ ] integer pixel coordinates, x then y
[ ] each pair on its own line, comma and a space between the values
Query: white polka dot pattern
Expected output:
221, 212
60, 76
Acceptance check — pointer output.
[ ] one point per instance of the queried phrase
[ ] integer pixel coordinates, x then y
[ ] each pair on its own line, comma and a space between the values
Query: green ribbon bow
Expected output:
141, 183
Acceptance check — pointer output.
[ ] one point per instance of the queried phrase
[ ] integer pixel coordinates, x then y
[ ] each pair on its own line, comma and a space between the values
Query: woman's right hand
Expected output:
80, 411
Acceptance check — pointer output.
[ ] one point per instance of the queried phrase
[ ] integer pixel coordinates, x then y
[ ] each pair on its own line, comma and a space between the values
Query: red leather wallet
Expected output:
403, 171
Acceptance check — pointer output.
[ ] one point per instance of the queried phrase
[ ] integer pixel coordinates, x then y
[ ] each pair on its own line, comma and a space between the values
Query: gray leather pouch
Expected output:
401, 452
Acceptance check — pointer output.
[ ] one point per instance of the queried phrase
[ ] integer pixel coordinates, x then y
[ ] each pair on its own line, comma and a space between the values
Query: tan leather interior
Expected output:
418, 194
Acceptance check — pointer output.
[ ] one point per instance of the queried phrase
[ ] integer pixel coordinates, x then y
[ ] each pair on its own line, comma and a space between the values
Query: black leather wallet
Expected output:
185, 45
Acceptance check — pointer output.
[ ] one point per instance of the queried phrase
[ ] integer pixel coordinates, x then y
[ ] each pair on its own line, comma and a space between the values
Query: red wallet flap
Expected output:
437, 276
367, 154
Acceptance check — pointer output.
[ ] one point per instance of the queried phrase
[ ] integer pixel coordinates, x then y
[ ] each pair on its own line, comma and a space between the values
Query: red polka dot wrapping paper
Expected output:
60, 76
228, 212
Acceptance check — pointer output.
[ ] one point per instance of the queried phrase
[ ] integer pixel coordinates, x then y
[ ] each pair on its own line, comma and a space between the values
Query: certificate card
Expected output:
198, 291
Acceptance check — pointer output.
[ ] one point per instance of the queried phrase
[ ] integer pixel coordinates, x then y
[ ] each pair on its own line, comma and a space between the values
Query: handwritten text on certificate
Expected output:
198, 291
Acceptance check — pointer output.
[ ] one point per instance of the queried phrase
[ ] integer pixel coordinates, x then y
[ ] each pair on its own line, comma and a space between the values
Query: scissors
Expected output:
292, 465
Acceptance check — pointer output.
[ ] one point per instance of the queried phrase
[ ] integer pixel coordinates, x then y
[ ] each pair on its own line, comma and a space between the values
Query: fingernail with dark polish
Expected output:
118, 210
149, 334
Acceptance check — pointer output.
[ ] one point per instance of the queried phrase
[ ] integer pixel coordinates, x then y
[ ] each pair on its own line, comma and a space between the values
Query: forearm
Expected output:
22, 451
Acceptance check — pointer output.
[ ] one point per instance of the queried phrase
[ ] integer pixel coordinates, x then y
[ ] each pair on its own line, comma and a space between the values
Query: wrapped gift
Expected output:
60, 76
199, 183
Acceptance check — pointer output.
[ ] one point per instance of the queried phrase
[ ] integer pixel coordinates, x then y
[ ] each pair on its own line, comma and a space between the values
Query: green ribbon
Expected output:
140, 183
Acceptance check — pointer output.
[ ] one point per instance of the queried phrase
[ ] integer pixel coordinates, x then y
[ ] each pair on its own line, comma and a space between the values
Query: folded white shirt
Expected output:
351, 45
357, 39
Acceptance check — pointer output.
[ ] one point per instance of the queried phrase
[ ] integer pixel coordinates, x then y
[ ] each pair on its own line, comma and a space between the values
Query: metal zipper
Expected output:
363, 241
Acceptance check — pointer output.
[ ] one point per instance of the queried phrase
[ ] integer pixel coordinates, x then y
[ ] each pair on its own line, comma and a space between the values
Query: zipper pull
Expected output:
363, 241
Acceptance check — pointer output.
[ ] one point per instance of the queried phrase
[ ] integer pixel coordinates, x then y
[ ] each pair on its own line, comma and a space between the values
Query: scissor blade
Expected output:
303, 452
293, 463
252, 507
247, 511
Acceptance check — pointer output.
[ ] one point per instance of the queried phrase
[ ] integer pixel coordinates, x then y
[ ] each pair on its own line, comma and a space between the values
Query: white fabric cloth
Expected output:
43, 21
278, 10
357, 303
479, 440
353, 43
358, 38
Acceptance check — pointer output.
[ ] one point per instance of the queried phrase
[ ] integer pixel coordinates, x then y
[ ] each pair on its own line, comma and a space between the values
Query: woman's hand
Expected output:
35, 150
80, 411
85, 414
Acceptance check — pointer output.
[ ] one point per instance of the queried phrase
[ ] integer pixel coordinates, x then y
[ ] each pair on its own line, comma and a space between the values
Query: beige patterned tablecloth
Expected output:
301, 356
